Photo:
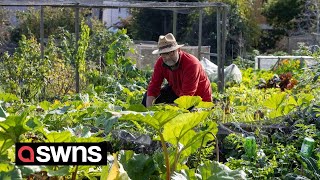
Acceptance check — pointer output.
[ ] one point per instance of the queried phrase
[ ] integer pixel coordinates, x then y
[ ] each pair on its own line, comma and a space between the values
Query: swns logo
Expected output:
62, 153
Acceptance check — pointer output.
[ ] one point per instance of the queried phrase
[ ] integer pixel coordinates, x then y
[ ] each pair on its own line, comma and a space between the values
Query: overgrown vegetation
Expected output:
279, 119
190, 139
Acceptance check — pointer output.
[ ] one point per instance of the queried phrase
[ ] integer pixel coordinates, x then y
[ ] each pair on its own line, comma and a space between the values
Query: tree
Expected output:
281, 13
148, 24
307, 20
243, 31
54, 19
289, 17
4, 27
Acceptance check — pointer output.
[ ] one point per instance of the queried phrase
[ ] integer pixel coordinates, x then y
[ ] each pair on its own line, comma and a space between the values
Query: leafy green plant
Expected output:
73, 56
215, 170
210, 170
28, 127
257, 168
177, 128
311, 168
54, 18
24, 72
83, 44
282, 103
4, 26
232, 146
284, 155
11, 131
141, 166
288, 65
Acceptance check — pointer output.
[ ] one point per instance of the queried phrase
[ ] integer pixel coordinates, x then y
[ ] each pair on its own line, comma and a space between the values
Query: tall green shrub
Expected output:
54, 18
24, 72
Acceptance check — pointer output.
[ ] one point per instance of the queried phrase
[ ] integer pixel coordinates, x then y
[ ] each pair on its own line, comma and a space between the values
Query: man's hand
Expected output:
149, 101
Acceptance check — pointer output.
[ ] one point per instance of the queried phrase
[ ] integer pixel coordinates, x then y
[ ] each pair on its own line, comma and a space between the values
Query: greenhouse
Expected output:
80, 93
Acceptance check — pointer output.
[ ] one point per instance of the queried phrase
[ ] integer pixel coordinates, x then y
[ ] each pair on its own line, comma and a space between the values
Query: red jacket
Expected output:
188, 79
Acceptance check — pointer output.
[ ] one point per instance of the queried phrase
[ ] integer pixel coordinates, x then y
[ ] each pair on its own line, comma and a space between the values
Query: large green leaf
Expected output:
205, 105
60, 111
15, 174
45, 105
105, 172
102, 118
14, 126
107, 121
192, 140
290, 105
187, 102
7, 97
140, 166
156, 121
34, 123
275, 100
64, 136
140, 118
5, 167
276, 113
175, 129
304, 99
80, 131
188, 146
165, 107
5, 143
164, 117
185, 174
137, 108
215, 170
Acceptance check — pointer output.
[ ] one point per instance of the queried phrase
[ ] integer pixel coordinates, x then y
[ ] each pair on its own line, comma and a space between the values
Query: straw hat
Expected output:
166, 44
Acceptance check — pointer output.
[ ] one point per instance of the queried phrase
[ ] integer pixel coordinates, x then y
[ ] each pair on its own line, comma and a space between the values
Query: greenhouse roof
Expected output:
110, 4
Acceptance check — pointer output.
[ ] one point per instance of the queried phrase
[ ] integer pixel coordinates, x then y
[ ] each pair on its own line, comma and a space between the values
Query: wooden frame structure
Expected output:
221, 10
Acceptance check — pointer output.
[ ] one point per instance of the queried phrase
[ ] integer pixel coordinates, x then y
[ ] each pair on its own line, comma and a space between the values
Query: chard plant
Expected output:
180, 128
27, 127
283, 103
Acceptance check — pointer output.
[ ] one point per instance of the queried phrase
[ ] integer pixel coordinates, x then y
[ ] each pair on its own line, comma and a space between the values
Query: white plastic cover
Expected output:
231, 73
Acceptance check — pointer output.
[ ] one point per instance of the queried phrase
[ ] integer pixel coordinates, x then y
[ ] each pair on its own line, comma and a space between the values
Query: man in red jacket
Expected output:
183, 72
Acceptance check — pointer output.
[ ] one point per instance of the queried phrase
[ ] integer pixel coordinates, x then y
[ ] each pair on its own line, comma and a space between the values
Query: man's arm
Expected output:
155, 83
149, 101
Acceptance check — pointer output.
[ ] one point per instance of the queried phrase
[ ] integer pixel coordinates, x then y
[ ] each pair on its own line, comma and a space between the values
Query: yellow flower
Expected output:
285, 61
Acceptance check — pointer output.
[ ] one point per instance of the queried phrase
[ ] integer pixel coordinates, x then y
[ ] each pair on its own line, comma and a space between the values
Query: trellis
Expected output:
221, 10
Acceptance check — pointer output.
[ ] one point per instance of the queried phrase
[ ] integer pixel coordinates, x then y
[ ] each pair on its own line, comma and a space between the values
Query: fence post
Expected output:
219, 55
41, 33
42, 46
302, 62
76, 28
200, 34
